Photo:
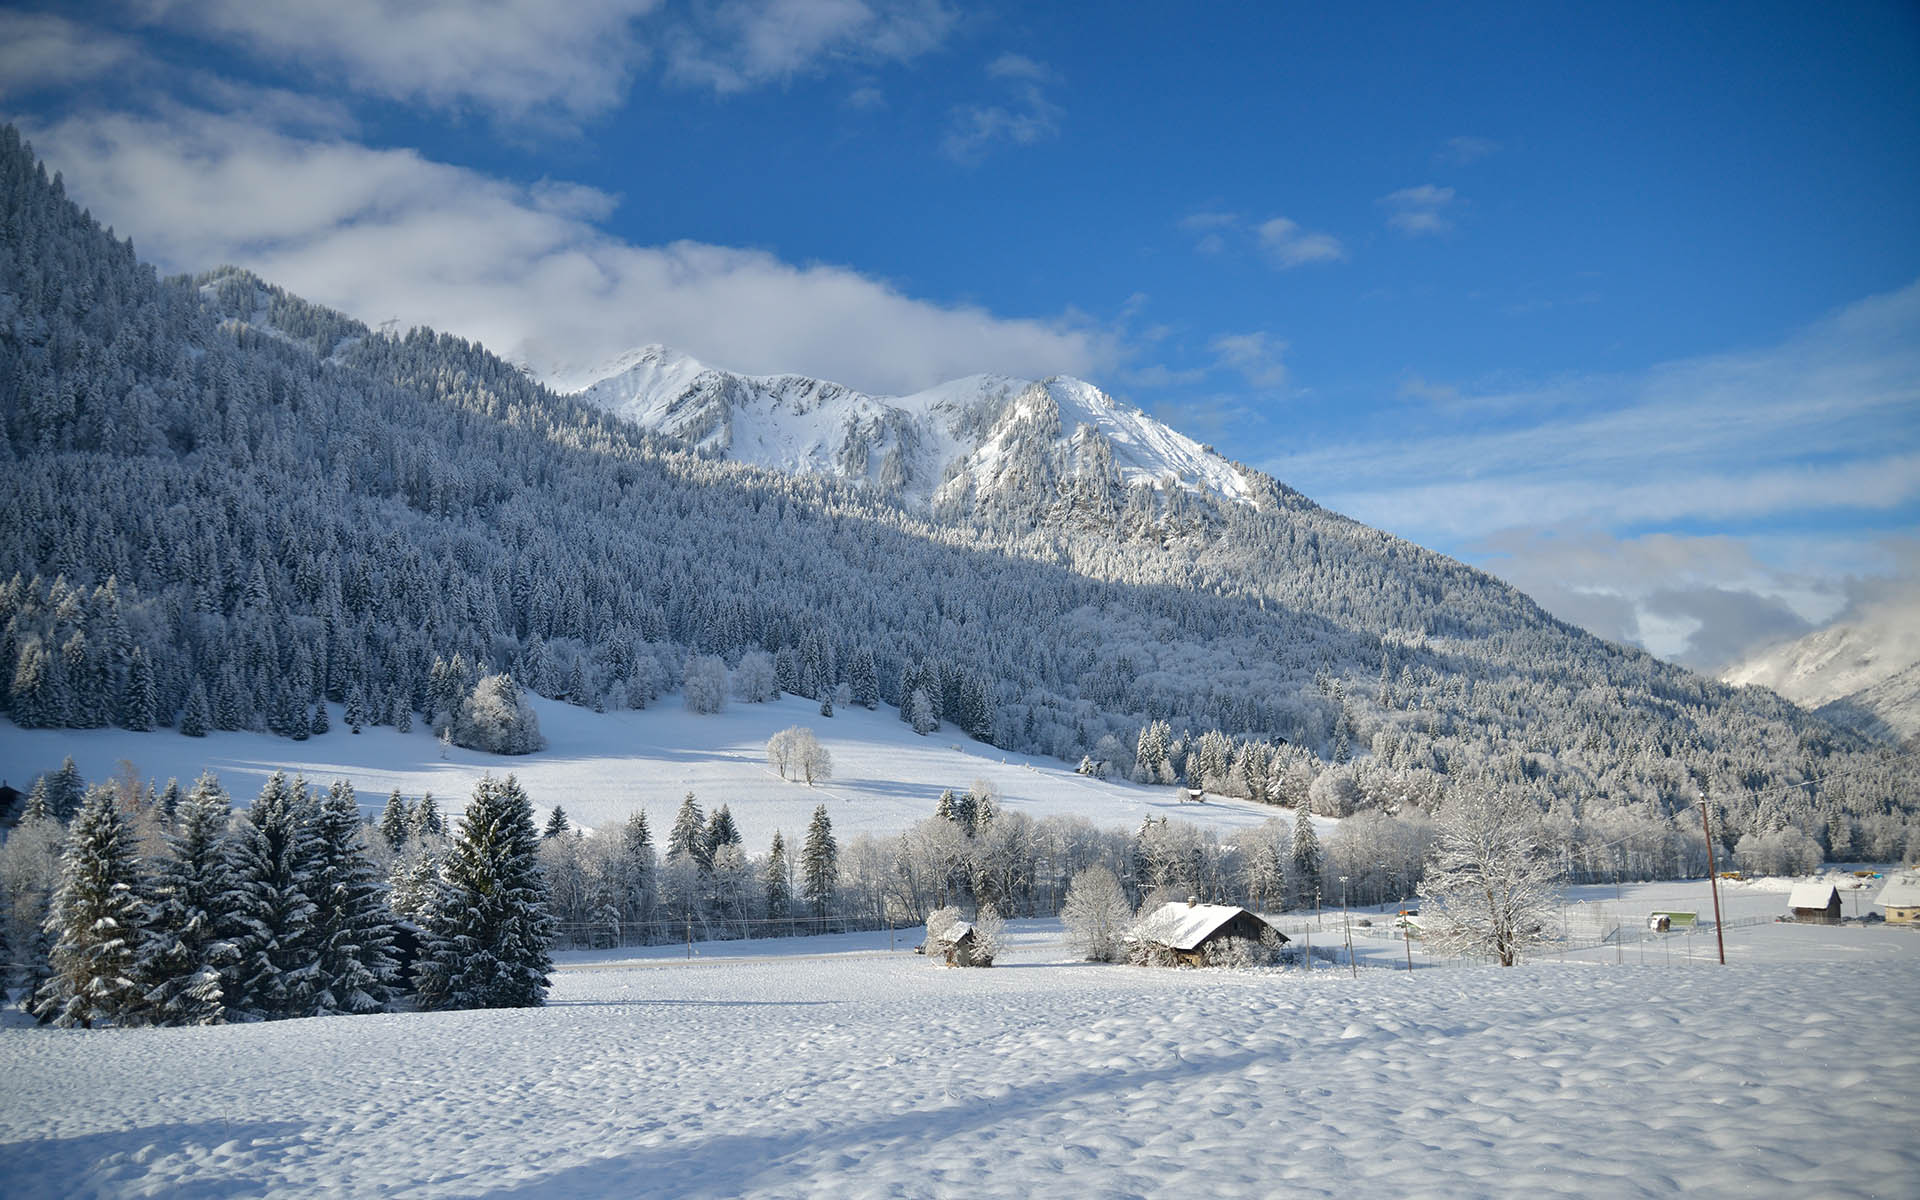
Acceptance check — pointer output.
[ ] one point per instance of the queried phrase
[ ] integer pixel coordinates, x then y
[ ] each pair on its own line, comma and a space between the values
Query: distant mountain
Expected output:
1863, 673
956, 448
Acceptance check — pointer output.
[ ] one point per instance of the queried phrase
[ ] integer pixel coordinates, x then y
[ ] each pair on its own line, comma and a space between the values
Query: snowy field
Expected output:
833, 1067
602, 766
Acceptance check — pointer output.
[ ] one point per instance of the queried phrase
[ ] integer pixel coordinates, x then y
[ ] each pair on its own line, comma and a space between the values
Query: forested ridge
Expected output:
223, 504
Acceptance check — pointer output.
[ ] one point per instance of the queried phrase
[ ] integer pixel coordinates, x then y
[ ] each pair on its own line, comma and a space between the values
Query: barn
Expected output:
1199, 935
1901, 899
1815, 903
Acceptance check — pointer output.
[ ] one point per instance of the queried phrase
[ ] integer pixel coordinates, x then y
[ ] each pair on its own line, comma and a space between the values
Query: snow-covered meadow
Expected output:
834, 1066
602, 766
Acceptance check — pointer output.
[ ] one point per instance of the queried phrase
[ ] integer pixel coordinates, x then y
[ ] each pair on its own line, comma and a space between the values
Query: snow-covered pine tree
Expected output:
1491, 888
426, 822
1307, 861
140, 707
275, 851
688, 837
557, 825
774, 876
197, 717
394, 822
65, 790
819, 862
635, 869
357, 971
488, 930
864, 679
96, 921
721, 831
190, 889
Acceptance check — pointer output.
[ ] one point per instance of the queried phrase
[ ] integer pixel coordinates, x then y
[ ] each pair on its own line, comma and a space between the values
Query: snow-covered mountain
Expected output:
948, 447
1861, 672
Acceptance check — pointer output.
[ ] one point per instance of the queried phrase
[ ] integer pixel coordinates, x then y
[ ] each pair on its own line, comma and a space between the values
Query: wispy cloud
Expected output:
1256, 356
1025, 116
1650, 463
386, 233
1419, 211
742, 44
1462, 151
1280, 240
41, 50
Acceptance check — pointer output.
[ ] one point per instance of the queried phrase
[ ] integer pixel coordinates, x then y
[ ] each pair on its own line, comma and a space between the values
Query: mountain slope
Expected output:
226, 504
955, 447
1860, 672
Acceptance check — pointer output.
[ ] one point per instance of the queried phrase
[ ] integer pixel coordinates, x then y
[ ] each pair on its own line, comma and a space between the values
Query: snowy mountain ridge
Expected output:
951, 447
1855, 671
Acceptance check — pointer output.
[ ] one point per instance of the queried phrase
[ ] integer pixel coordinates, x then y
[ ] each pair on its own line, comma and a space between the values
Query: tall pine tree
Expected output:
96, 921
275, 853
191, 887
820, 862
489, 930
355, 936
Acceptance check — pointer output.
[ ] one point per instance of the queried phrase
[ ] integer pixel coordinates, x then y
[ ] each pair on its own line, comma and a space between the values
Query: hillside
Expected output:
227, 507
602, 767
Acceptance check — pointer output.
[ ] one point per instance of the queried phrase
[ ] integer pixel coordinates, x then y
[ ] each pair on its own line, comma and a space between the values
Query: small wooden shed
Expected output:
1901, 899
1186, 933
958, 944
1815, 903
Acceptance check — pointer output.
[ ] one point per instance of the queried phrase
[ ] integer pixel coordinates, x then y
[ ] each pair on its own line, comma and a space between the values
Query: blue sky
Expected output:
1621, 302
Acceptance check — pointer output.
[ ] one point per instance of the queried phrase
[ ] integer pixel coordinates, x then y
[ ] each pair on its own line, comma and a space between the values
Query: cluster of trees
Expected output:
167, 908
226, 506
797, 750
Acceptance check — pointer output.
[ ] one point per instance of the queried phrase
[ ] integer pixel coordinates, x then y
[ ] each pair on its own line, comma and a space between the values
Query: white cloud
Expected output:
40, 50
1280, 240
1256, 356
1418, 211
1460, 151
514, 58
740, 44
389, 234
1026, 116
1287, 245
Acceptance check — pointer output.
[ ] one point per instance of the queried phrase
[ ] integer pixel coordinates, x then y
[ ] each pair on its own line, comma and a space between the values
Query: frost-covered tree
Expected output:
1307, 862
394, 821
989, 936
497, 718
753, 679
190, 891
819, 862
426, 822
773, 877
688, 837
1491, 886
557, 824
1097, 915
96, 921
705, 686
634, 870
276, 848
354, 934
488, 929
197, 717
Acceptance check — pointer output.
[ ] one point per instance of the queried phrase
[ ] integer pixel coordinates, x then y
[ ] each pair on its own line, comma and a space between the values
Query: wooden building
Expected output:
1901, 899
1187, 934
958, 944
1815, 903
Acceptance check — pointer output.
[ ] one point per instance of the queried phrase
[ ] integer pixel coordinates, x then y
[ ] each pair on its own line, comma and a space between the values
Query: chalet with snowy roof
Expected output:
1188, 934
1815, 903
1901, 899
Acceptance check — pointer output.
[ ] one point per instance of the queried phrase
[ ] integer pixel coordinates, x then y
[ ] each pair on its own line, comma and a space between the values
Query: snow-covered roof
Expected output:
1184, 926
1902, 891
1812, 895
956, 931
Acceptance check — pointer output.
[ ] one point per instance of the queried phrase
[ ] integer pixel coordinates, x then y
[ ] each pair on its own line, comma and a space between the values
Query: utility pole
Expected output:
1713, 880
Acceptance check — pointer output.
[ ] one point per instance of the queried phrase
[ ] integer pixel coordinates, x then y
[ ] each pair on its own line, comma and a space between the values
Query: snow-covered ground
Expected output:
833, 1067
602, 766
